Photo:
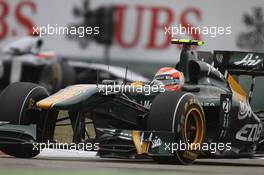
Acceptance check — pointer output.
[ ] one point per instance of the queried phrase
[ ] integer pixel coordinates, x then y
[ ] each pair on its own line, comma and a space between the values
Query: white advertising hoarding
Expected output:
139, 29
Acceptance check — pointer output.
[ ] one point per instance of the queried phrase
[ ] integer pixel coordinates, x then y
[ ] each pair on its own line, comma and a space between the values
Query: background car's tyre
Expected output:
57, 76
20, 151
15, 100
180, 113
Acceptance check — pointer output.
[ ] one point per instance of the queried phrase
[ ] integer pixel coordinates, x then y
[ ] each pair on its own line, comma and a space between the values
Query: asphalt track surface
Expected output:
65, 162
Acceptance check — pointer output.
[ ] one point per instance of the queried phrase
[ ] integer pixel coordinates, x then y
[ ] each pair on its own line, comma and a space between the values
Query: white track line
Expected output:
66, 153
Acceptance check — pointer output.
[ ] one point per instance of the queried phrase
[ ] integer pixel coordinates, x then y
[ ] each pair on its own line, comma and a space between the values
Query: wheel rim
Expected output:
194, 128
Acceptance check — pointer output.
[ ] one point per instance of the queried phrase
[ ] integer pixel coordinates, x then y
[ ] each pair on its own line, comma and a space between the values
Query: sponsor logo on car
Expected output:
156, 142
250, 132
244, 110
249, 60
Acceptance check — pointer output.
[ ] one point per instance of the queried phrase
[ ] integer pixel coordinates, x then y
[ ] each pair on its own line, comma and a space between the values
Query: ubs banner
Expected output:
137, 30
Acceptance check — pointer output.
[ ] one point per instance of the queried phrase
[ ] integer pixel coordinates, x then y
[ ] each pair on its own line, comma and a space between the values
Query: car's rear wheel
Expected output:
180, 113
57, 76
15, 101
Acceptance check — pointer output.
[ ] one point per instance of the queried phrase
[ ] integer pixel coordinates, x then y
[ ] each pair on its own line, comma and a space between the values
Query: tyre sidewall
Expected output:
187, 156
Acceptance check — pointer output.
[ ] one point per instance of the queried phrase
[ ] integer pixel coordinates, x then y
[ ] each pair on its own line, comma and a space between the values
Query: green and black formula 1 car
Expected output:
210, 116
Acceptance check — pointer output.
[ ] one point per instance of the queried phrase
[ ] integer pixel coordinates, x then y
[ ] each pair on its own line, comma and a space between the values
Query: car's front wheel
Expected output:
15, 101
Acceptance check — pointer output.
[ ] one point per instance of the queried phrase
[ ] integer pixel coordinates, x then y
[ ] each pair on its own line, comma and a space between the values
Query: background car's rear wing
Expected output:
239, 63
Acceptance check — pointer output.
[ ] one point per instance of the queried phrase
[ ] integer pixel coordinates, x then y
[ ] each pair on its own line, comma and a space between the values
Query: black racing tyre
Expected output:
20, 151
57, 76
15, 100
260, 147
182, 114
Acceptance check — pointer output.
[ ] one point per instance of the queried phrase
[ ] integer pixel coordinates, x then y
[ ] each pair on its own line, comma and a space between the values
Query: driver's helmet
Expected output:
170, 78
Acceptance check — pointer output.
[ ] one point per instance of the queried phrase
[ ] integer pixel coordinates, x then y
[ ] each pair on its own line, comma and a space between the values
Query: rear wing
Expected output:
239, 63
